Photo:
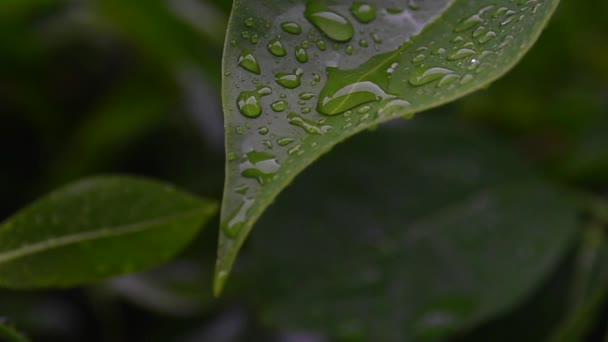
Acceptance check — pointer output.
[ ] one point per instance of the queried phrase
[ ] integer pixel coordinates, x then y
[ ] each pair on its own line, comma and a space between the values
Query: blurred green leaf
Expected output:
374, 63
10, 334
453, 233
97, 228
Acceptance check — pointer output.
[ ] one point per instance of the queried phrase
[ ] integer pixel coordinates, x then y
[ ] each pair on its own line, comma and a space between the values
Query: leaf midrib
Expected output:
102, 233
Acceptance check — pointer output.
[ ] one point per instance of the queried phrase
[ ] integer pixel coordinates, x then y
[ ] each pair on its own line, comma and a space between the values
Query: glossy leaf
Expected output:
97, 228
451, 236
301, 76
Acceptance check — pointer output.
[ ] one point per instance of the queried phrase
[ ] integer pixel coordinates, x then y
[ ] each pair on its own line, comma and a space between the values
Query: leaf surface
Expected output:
301, 76
97, 228
449, 237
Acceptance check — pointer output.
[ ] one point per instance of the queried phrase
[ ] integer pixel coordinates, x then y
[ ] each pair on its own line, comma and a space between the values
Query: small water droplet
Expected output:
321, 45
419, 58
330, 23
306, 96
394, 107
248, 62
276, 47
285, 141
426, 76
469, 23
289, 80
291, 27
363, 43
447, 80
363, 12
263, 130
349, 50
308, 125
279, 106
249, 22
301, 54
460, 54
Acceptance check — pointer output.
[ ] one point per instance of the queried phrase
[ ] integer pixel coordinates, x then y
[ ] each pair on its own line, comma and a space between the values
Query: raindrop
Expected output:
301, 54
289, 80
249, 101
279, 106
363, 12
332, 24
259, 165
291, 27
276, 47
426, 76
248, 62
308, 125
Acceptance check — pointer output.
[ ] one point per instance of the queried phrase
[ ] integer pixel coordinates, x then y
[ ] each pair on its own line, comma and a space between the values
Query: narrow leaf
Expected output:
97, 228
301, 76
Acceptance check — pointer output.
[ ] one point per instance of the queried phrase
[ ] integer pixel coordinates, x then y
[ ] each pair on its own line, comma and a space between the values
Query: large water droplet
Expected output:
348, 97
279, 106
332, 24
462, 53
248, 62
276, 47
259, 165
249, 101
426, 76
290, 80
363, 12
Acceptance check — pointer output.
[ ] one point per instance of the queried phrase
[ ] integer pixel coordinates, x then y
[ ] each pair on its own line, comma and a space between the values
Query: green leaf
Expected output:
97, 228
456, 233
10, 334
290, 96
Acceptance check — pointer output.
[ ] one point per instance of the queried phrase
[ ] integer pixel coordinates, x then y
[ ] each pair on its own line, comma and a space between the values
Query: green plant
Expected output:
428, 228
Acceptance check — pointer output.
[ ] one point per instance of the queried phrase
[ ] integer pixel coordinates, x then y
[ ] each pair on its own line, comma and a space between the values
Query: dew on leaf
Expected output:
460, 54
233, 227
249, 101
429, 75
301, 54
291, 27
363, 12
279, 106
259, 165
276, 47
285, 141
248, 62
308, 125
330, 23
335, 102
289, 80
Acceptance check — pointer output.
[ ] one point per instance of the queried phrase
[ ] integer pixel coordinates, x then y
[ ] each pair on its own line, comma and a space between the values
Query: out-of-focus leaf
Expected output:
97, 228
452, 233
301, 76
10, 334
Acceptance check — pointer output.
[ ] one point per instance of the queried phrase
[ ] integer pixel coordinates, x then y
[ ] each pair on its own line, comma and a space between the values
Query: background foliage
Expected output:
104, 86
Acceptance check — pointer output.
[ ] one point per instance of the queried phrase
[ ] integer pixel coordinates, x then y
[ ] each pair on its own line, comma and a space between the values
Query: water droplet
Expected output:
294, 150
285, 141
447, 80
376, 38
467, 79
301, 54
332, 24
263, 130
487, 37
289, 80
306, 96
394, 107
363, 12
259, 165
249, 22
254, 39
348, 97
267, 143
419, 58
363, 43
308, 125
238, 218
291, 27
426, 76
439, 51
248, 62
349, 50
279, 106
276, 47
479, 31
469, 23
462, 53
249, 101
321, 45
